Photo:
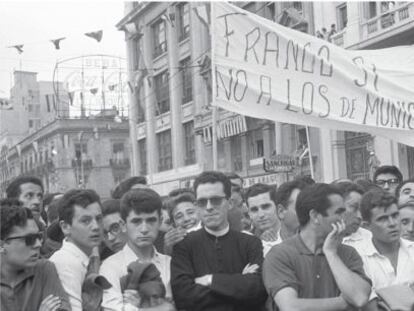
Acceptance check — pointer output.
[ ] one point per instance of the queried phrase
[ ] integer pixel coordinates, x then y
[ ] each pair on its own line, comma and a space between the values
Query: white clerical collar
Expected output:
218, 233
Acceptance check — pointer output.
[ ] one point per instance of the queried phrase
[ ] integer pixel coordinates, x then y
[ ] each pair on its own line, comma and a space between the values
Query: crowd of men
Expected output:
301, 245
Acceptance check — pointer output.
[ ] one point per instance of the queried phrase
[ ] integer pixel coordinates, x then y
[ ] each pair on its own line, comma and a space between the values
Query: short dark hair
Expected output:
126, 185
140, 201
10, 202
49, 197
81, 197
398, 189
284, 192
13, 190
388, 169
259, 188
111, 206
307, 179
53, 211
375, 198
211, 177
347, 187
314, 197
13, 215
176, 192
172, 203
366, 184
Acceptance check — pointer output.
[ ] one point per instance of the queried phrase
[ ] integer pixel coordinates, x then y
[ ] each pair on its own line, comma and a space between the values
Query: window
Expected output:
162, 93
342, 15
164, 151
189, 143
370, 9
293, 4
118, 151
159, 37
31, 123
78, 150
186, 80
183, 20
259, 148
142, 148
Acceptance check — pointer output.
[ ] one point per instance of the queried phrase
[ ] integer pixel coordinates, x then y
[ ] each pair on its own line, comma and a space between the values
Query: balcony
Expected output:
396, 17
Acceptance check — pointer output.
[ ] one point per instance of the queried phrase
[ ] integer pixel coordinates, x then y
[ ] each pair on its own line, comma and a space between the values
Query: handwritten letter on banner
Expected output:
268, 71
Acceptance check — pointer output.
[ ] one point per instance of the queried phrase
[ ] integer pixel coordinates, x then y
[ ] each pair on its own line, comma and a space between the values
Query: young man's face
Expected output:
86, 229
236, 198
407, 222
114, 232
385, 223
165, 221
185, 215
31, 196
213, 205
387, 181
333, 214
406, 194
287, 214
262, 212
15, 251
142, 228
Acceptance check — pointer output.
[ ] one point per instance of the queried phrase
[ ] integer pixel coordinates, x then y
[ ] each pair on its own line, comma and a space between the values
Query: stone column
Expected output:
175, 86
149, 95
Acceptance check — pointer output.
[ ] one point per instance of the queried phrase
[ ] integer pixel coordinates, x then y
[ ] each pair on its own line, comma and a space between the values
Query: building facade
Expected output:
365, 25
171, 41
38, 138
71, 153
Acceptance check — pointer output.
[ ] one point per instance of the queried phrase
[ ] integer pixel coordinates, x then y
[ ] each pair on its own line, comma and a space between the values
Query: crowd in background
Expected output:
301, 245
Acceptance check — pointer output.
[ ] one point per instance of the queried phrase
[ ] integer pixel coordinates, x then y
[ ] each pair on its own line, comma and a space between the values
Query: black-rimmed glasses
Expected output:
29, 239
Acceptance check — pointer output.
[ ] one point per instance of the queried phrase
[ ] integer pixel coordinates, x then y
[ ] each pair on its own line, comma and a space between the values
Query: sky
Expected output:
34, 23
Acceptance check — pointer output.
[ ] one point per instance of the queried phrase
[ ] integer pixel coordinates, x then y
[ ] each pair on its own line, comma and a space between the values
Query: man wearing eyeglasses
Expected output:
113, 228
27, 282
216, 268
388, 177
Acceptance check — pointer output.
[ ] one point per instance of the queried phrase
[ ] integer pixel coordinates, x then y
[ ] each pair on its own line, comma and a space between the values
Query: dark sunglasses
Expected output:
29, 239
215, 201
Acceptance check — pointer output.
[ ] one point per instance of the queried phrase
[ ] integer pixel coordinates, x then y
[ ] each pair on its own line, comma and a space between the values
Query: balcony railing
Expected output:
388, 20
338, 38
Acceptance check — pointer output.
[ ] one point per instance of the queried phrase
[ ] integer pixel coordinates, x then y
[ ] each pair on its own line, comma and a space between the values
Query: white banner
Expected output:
265, 70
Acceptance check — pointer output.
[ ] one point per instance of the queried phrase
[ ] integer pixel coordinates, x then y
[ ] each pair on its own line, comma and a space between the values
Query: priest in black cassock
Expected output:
215, 268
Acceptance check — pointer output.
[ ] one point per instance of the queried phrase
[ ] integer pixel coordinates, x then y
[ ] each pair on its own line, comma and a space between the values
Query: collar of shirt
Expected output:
25, 274
130, 256
76, 251
219, 233
359, 235
302, 248
371, 250
195, 228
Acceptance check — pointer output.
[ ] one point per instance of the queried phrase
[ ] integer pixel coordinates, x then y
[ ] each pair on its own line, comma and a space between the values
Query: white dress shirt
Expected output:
360, 239
71, 264
115, 267
380, 270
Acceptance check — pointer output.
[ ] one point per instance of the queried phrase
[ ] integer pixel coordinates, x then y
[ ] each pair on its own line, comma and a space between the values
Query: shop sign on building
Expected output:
268, 179
281, 163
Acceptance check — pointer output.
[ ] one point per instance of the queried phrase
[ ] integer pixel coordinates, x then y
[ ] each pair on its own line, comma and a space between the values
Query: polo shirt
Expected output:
292, 264
379, 268
115, 267
71, 264
31, 287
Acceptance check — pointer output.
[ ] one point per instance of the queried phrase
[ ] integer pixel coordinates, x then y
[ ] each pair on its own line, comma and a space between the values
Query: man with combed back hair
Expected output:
216, 268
